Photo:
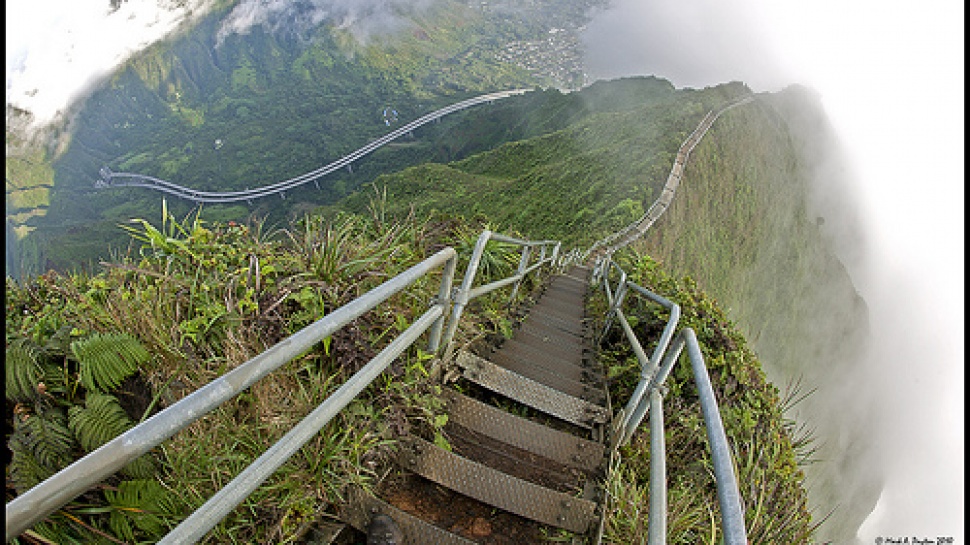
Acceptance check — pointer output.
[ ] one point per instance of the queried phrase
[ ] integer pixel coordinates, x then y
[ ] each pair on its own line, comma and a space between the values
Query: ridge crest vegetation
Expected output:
200, 298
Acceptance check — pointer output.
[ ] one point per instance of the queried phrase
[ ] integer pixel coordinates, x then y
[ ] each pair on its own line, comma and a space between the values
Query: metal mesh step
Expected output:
563, 344
495, 488
550, 346
529, 392
522, 433
362, 506
565, 377
549, 355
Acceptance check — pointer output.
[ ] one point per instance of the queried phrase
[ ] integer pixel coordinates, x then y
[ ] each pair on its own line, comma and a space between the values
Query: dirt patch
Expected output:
460, 514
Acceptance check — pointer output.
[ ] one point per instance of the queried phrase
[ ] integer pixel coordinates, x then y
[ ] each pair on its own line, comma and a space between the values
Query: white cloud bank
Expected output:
57, 48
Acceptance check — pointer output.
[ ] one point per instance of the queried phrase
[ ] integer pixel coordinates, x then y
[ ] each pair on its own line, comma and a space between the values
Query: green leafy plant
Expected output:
41, 444
100, 420
107, 360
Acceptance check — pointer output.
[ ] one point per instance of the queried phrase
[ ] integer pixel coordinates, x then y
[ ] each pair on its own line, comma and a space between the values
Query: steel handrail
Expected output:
647, 398
37, 503
466, 292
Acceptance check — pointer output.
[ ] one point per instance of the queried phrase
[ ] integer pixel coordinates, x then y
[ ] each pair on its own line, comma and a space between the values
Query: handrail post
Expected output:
657, 521
523, 263
461, 298
443, 299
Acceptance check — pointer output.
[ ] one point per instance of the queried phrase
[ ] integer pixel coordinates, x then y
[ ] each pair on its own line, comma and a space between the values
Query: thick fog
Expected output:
890, 78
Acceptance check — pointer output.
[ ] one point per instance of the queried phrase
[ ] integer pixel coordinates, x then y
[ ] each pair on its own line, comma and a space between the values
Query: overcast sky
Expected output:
891, 77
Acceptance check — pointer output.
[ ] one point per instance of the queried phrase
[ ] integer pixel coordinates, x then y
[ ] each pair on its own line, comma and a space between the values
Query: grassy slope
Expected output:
741, 225
596, 175
201, 307
282, 104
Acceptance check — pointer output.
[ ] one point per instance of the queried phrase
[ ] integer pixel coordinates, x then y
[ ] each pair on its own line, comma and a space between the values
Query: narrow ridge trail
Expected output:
526, 429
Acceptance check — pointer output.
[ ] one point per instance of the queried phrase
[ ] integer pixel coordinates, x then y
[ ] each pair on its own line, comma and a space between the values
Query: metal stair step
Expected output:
523, 433
530, 392
362, 506
566, 349
495, 488
576, 327
555, 304
538, 328
564, 377
561, 343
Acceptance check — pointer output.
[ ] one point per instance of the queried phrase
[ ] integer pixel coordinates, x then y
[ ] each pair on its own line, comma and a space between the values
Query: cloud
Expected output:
693, 44
56, 49
364, 19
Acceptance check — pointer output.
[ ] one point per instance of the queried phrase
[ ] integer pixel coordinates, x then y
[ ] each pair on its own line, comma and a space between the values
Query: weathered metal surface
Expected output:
530, 392
552, 347
563, 344
496, 488
564, 378
361, 508
522, 433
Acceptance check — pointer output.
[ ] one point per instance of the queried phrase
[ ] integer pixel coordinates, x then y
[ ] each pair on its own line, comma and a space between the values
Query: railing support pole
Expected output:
523, 263
444, 299
657, 523
462, 297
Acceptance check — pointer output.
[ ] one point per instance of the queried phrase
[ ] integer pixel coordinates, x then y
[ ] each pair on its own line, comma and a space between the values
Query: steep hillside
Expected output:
578, 183
215, 110
203, 298
745, 224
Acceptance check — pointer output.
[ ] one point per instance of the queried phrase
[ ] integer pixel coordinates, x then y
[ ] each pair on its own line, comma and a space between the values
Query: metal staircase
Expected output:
540, 472
530, 429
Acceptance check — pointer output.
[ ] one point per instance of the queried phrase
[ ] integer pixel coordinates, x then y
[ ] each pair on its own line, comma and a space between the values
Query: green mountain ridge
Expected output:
741, 225
252, 109
549, 164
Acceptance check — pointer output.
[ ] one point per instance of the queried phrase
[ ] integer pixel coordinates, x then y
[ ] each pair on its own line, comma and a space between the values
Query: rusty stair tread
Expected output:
539, 328
576, 327
530, 392
495, 488
561, 375
361, 506
523, 433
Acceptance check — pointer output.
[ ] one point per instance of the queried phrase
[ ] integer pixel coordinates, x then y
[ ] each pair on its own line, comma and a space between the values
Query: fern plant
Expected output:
42, 445
106, 360
140, 506
23, 371
100, 420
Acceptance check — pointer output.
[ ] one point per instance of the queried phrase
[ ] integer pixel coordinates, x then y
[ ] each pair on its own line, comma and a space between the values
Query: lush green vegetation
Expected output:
591, 177
199, 298
196, 300
768, 448
259, 108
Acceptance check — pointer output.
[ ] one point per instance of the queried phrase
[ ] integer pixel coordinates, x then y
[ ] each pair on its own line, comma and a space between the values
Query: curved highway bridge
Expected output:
111, 179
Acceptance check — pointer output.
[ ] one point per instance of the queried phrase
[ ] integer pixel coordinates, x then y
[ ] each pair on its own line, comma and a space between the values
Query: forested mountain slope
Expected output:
745, 225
